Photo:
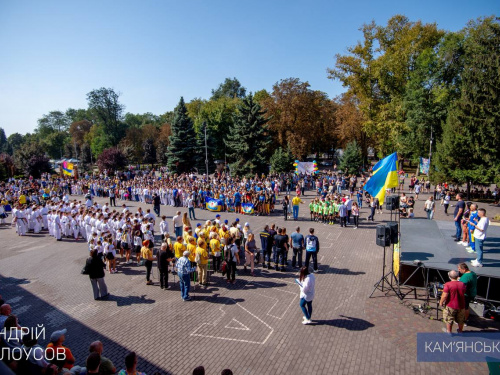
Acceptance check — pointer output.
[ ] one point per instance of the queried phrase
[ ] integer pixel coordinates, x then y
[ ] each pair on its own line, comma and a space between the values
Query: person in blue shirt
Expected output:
312, 249
473, 217
359, 196
237, 202
343, 215
297, 244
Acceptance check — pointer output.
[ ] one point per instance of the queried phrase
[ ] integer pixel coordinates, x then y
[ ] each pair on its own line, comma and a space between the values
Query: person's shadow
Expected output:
349, 323
129, 300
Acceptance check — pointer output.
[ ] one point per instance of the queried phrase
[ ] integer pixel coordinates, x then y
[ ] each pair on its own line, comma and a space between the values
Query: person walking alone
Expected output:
307, 285
312, 249
94, 267
295, 206
430, 207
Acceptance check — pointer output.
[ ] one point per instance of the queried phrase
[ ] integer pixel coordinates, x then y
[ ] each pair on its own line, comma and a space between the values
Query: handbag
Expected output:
223, 267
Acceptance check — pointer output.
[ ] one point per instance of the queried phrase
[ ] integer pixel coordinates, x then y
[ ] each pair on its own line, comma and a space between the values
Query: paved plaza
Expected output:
251, 327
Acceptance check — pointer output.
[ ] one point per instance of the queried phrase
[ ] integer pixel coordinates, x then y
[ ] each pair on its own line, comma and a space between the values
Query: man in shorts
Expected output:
453, 302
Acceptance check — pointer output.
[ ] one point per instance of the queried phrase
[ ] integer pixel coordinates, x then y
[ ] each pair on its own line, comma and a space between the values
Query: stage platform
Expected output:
430, 242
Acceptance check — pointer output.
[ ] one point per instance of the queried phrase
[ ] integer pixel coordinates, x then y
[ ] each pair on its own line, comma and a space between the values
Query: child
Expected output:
137, 245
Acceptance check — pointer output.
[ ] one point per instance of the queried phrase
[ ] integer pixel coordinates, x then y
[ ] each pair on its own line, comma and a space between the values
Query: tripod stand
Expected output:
388, 278
384, 280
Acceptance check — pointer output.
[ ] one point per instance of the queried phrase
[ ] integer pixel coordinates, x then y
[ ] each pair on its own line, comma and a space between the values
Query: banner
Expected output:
67, 168
247, 208
214, 205
396, 257
424, 166
302, 167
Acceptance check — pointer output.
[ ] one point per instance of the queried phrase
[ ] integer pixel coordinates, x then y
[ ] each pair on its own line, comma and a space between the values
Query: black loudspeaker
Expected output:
392, 202
393, 228
383, 235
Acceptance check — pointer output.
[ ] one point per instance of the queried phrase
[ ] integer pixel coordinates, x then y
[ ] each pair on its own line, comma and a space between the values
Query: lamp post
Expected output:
206, 147
430, 151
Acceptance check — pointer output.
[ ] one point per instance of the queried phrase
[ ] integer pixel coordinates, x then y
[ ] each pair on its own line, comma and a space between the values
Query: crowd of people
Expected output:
117, 237
28, 356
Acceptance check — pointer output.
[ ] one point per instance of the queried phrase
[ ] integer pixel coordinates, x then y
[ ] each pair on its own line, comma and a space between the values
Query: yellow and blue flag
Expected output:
214, 205
385, 176
67, 168
248, 208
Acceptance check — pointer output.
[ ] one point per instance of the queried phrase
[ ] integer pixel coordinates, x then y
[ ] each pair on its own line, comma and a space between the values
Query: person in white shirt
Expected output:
177, 220
307, 284
479, 236
164, 229
348, 203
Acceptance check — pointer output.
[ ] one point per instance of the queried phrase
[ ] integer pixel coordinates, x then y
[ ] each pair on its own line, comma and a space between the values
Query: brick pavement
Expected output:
252, 327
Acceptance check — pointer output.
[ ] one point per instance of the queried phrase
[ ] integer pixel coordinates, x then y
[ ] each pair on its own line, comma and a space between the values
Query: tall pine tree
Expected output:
469, 152
248, 139
181, 156
351, 159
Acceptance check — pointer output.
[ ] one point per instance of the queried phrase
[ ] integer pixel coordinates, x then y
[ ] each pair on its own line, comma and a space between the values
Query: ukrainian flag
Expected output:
385, 176
214, 205
67, 168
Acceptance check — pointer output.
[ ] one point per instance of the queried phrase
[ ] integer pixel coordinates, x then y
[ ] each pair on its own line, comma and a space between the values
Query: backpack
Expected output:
124, 237
311, 243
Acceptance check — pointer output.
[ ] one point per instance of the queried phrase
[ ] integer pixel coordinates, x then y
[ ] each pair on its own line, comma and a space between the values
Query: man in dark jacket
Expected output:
166, 255
95, 269
264, 241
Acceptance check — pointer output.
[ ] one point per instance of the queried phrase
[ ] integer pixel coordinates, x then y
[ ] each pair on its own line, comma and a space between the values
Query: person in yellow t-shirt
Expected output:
215, 249
202, 255
295, 206
22, 199
147, 255
179, 247
191, 247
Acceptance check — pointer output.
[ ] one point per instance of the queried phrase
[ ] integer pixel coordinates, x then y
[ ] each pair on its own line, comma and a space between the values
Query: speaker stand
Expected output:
384, 281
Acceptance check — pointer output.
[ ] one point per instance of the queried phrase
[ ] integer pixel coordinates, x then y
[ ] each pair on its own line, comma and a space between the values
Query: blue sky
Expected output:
153, 51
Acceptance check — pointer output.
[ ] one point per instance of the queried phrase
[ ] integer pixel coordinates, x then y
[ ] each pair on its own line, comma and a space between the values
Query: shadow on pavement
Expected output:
349, 323
339, 271
33, 311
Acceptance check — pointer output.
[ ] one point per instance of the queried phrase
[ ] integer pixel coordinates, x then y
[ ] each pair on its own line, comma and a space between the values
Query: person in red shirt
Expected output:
453, 302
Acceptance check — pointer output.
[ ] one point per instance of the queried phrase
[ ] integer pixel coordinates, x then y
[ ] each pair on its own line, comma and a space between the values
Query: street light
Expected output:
206, 147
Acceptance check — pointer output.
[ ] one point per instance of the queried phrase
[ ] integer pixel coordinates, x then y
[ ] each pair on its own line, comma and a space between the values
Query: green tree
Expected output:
7, 167
54, 121
106, 109
230, 88
55, 143
149, 151
181, 155
248, 139
4, 145
75, 115
99, 140
30, 159
469, 151
14, 141
281, 160
351, 159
